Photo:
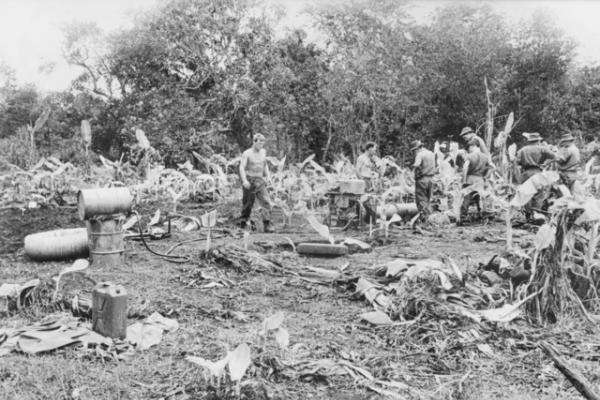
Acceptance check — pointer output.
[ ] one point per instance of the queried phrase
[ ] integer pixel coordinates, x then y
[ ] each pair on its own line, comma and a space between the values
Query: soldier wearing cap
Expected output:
425, 168
568, 160
531, 156
254, 173
530, 159
468, 135
476, 167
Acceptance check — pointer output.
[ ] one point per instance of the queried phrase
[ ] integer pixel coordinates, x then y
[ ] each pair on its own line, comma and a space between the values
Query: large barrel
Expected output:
60, 244
105, 236
404, 210
322, 249
103, 201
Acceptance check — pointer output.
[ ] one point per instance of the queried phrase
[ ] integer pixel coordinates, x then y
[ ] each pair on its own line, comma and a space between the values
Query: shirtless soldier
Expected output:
254, 172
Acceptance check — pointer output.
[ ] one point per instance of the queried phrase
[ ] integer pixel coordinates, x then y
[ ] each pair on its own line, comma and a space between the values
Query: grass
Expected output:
322, 320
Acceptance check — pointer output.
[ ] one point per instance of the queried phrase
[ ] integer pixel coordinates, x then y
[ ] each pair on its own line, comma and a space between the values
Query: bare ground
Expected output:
322, 320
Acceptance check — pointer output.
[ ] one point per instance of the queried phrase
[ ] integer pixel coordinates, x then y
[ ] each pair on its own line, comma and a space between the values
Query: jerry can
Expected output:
109, 310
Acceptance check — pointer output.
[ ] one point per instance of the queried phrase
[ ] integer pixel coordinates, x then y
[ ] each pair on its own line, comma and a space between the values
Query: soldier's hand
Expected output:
246, 185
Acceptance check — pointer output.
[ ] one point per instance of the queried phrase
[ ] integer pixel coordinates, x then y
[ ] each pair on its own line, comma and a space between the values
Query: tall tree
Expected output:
464, 45
538, 74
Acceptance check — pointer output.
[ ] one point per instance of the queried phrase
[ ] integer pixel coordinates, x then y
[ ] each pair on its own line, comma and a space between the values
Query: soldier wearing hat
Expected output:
468, 135
425, 168
531, 156
530, 159
568, 160
476, 167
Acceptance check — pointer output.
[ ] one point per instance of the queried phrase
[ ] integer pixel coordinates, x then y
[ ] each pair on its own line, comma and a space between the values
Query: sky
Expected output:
31, 30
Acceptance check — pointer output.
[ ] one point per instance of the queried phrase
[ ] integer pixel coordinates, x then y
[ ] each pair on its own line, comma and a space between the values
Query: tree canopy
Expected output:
205, 75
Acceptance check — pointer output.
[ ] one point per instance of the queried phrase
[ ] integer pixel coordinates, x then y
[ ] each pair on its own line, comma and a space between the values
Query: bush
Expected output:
16, 149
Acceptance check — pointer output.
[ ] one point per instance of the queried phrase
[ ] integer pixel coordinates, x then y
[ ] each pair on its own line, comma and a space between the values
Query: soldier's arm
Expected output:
490, 167
483, 146
519, 158
550, 155
266, 171
418, 160
379, 165
465, 169
243, 163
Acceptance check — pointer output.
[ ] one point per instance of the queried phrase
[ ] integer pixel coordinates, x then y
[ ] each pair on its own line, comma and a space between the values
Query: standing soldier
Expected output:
254, 173
425, 169
367, 165
568, 160
367, 169
530, 159
476, 166
468, 135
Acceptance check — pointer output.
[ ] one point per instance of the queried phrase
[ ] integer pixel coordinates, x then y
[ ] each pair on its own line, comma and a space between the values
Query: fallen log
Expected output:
575, 377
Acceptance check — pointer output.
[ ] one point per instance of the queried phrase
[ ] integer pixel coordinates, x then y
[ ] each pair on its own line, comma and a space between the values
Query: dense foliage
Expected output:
204, 75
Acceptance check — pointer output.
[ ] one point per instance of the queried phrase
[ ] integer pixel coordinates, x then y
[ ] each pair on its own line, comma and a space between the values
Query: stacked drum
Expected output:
104, 212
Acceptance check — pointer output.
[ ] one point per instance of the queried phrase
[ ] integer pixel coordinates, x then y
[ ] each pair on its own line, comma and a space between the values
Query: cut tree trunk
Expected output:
575, 377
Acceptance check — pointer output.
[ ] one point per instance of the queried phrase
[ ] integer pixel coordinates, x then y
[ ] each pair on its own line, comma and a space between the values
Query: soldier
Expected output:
531, 156
367, 168
568, 160
530, 159
367, 165
468, 135
425, 168
476, 167
254, 173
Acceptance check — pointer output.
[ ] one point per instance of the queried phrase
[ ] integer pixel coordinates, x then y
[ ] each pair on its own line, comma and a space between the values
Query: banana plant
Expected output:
31, 130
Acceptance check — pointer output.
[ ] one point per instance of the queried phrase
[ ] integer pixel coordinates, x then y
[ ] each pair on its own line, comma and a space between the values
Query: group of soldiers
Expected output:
473, 162
477, 165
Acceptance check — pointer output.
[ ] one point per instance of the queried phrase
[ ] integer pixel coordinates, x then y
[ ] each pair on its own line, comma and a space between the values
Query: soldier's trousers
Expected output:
423, 191
537, 201
256, 192
568, 179
472, 196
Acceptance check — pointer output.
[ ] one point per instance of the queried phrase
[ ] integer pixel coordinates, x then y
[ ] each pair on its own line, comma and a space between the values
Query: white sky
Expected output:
30, 30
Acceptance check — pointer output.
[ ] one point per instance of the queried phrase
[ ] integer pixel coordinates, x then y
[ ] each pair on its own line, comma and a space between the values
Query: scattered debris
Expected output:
149, 332
51, 334
237, 362
355, 245
377, 318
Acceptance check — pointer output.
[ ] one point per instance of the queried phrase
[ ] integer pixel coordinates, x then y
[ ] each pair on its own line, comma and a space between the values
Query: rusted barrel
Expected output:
60, 244
106, 244
103, 201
